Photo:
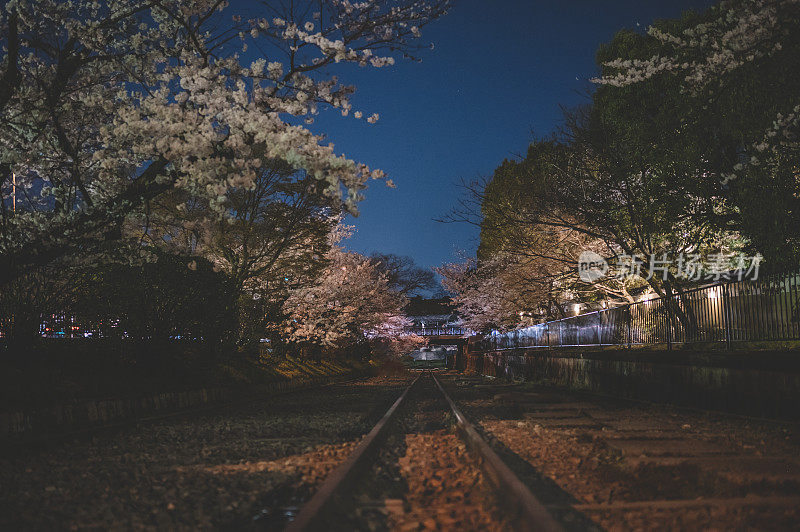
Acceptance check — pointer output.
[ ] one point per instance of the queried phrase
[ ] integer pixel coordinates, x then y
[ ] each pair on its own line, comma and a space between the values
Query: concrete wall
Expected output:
765, 384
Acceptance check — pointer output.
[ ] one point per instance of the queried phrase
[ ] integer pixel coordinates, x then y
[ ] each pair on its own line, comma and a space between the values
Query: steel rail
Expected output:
524, 510
312, 514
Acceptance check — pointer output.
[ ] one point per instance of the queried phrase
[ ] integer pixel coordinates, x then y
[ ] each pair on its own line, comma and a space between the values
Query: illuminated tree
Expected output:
106, 105
352, 300
710, 101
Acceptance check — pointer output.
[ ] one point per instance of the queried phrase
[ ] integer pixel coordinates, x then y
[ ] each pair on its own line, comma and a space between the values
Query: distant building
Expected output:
434, 317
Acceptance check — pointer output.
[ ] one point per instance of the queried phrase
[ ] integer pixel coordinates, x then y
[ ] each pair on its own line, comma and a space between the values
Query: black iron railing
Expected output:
766, 309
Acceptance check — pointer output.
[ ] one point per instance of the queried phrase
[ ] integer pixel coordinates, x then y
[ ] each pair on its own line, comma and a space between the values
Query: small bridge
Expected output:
438, 331
436, 320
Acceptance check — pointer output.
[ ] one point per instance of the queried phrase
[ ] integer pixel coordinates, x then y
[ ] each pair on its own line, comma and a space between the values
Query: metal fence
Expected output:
438, 331
766, 309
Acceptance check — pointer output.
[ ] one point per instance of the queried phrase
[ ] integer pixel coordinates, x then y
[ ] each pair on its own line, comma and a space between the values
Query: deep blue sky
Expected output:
498, 72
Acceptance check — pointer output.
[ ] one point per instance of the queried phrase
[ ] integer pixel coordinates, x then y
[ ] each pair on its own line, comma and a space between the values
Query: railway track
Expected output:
477, 454
630, 466
411, 472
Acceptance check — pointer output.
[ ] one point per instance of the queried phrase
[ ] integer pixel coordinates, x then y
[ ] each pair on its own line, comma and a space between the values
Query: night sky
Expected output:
496, 78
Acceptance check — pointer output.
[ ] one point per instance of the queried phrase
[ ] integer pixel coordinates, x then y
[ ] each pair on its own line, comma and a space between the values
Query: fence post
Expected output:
669, 324
726, 316
597, 329
629, 333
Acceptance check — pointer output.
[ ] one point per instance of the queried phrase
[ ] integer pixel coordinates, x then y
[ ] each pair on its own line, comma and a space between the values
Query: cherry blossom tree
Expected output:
107, 105
716, 94
478, 295
273, 238
733, 36
351, 301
